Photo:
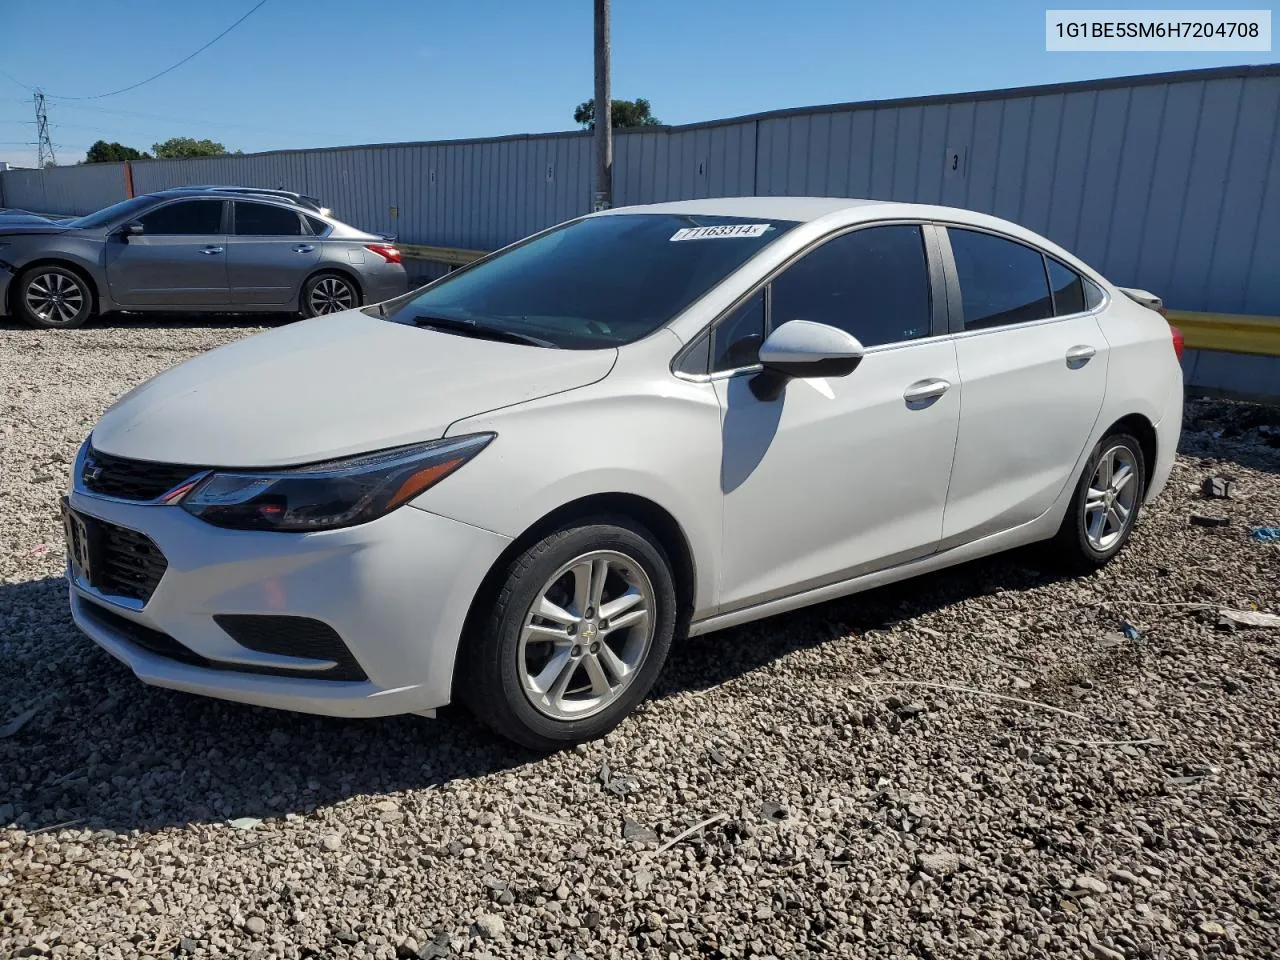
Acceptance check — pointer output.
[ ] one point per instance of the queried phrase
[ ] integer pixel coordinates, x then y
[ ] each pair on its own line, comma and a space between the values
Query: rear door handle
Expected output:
1079, 355
923, 392
211, 250
303, 248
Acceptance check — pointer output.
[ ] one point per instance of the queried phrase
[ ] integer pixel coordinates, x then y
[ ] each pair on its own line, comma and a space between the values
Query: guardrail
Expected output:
453, 256
1228, 332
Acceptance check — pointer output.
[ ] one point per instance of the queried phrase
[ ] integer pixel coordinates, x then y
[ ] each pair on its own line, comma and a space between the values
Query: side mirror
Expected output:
800, 349
132, 229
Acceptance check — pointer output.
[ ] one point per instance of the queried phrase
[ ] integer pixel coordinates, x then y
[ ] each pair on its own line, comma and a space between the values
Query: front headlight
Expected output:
336, 493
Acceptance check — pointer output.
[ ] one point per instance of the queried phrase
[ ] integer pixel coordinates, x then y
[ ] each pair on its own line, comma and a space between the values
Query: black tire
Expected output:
311, 304
490, 668
1071, 548
51, 297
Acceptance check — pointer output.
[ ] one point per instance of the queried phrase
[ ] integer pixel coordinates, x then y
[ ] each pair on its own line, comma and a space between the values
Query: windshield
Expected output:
112, 213
598, 282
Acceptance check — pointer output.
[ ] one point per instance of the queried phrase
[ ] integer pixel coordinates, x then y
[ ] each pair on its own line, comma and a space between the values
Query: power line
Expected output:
156, 76
193, 120
6, 73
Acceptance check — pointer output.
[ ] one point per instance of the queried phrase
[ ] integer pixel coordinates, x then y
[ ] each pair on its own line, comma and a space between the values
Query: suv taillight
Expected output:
389, 254
1177, 341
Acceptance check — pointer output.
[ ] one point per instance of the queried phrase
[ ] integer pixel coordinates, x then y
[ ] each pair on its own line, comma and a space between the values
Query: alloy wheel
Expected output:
54, 297
587, 635
331, 295
1112, 496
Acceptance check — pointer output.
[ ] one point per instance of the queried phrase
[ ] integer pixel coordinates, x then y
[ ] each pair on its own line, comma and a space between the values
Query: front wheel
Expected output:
53, 297
575, 637
328, 293
1105, 506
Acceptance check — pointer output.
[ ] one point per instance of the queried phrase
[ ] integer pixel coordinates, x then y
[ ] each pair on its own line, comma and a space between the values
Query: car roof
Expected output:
844, 211
802, 209
257, 193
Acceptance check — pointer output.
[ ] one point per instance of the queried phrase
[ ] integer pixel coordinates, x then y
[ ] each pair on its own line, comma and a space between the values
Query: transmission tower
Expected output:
44, 145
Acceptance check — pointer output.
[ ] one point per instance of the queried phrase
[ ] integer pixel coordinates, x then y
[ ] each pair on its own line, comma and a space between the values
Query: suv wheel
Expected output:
576, 636
53, 297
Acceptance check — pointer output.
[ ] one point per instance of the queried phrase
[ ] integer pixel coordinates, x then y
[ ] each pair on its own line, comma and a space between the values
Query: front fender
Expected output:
656, 439
85, 255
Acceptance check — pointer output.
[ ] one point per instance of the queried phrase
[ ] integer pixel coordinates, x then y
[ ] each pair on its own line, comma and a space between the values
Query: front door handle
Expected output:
211, 251
923, 392
303, 248
1079, 355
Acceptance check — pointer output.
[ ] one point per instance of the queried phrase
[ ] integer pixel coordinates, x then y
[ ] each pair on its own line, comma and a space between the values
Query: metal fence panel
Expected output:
1169, 182
81, 189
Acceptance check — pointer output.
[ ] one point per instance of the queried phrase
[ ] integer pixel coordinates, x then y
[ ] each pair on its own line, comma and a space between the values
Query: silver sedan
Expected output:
194, 249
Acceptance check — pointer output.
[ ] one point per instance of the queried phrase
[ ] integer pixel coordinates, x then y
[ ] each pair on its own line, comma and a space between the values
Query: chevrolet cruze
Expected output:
520, 485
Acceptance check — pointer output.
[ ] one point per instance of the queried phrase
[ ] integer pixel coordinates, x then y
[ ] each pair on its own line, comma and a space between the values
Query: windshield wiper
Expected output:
471, 328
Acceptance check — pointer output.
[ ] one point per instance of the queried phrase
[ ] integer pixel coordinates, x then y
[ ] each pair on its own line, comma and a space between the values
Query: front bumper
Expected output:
396, 591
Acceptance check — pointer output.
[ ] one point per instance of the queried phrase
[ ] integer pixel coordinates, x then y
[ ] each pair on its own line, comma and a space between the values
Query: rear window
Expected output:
598, 282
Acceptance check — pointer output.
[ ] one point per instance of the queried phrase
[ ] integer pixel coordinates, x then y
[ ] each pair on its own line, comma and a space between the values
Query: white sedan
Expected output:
521, 484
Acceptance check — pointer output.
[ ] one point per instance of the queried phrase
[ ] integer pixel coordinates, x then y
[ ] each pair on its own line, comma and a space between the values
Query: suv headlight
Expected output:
335, 493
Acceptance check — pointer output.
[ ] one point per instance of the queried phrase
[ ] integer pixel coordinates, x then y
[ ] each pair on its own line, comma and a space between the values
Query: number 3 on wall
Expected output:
954, 165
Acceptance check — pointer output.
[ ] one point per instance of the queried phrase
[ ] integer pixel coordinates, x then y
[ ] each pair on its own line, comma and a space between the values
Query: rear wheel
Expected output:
328, 293
53, 297
1105, 506
575, 637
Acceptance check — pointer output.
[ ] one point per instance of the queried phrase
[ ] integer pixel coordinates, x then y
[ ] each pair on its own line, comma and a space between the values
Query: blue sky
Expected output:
326, 72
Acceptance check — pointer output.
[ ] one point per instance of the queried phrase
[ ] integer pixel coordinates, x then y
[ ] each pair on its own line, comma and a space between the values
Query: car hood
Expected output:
330, 387
28, 225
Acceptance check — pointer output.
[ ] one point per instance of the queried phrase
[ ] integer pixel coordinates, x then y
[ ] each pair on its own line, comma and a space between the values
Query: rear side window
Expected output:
316, 225
1068, 289
1001, 282
1092, 294
872, 283
185, 218
264, 220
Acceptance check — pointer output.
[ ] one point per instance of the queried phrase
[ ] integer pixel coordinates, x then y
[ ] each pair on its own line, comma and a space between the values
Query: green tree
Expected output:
103, 152
623, 113
179, 147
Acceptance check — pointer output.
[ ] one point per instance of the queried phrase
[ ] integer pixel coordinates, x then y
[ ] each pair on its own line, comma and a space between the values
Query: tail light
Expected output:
389, 254
1177, 340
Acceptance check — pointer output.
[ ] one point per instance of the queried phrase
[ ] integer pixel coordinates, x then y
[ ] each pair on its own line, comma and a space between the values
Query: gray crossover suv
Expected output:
194, 249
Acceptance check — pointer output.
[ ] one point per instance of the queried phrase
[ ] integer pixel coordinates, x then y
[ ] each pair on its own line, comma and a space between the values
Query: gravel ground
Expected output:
1129, 809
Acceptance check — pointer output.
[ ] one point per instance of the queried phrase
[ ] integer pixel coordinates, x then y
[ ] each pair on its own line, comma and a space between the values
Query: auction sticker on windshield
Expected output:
722, 231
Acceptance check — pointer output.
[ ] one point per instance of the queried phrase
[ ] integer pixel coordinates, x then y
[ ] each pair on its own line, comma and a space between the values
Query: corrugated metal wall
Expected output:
1169, 182
80, 189
476, 195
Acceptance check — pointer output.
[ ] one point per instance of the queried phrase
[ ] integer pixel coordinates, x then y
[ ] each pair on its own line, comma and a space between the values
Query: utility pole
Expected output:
44, 145
603, 199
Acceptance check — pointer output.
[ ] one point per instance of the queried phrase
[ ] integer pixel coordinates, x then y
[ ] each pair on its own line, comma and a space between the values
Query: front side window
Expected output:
873, 283
264, 220
185, 218
597, 282
1001, 282
736, 340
